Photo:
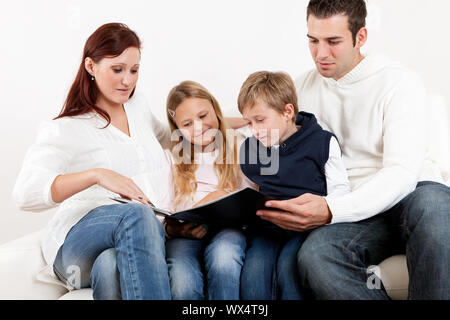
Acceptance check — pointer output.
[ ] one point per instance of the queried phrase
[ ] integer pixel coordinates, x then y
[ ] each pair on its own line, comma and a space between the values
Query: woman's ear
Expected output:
89, 66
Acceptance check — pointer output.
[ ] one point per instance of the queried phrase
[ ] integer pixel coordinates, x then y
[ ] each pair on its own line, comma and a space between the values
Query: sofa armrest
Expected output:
20, 262
394, 275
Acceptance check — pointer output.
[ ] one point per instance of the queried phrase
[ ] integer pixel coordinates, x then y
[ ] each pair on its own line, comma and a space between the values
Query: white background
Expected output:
215, 42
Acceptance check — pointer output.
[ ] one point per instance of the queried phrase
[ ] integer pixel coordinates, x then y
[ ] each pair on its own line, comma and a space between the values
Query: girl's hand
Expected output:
211, 197
117, 183
188, 230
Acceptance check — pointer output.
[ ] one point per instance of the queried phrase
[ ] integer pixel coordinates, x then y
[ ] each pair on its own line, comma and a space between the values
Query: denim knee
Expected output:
314, 256
185, 285
289, 287
139, 212
72, 274
225, 253
186, 279
258, 279
105, 280
185, 271
428, 212
143, 217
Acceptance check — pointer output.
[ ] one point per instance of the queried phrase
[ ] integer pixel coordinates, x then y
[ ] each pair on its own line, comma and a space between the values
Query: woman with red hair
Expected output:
105, 142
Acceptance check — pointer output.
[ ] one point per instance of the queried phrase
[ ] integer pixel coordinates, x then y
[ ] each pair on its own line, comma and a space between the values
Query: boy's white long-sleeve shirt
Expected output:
377, 113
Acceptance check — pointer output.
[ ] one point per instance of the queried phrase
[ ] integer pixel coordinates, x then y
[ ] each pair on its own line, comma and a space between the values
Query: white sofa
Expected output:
21, 260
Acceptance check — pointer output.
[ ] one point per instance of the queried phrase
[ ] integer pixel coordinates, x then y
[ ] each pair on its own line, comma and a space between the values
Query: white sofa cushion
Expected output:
20, 262
395, 277
82, 294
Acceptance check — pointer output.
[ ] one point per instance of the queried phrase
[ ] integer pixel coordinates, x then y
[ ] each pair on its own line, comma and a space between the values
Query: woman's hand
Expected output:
117, 183
211, 197
66, 185
188, 230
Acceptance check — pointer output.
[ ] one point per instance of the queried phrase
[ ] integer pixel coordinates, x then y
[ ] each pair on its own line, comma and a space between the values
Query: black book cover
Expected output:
237, 209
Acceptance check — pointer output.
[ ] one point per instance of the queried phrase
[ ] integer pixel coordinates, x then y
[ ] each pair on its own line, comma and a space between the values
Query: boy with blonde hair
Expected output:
308, 161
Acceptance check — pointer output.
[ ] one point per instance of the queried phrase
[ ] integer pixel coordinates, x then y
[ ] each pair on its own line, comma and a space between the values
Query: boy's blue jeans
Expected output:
208, 267
333, 261
119, 251
270, 268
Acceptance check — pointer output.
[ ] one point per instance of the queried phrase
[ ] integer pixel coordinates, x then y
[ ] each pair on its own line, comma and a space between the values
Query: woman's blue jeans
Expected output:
119, 251
270, 268
334, 261
208, 267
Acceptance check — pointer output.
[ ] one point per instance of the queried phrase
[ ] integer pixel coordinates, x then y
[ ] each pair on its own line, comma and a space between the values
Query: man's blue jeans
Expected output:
333, 261
270, 268
212, 264
119, 251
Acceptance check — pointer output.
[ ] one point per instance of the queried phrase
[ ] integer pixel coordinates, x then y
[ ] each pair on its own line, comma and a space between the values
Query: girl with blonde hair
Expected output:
205, 167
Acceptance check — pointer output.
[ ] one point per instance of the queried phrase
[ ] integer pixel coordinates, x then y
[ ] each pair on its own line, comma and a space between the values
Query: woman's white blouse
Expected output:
75, 144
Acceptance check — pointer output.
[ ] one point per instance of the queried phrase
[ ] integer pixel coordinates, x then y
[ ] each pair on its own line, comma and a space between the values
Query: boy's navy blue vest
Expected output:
302, 159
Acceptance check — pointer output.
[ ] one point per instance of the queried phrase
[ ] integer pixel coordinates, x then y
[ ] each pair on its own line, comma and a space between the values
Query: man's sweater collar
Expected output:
371, 64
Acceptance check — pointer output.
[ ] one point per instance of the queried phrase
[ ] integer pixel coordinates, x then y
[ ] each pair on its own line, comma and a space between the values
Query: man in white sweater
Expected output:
376, 109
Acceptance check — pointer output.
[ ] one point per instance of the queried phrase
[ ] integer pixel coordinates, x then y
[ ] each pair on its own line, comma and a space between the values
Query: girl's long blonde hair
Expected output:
226, 165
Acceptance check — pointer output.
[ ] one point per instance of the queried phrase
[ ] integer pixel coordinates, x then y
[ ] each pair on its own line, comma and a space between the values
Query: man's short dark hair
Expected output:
355, 10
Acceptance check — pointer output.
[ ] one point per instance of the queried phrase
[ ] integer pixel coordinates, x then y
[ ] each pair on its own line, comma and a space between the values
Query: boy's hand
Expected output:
188, 230
300, 214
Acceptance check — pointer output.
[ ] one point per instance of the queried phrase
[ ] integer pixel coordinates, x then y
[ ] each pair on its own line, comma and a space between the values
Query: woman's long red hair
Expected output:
110, 40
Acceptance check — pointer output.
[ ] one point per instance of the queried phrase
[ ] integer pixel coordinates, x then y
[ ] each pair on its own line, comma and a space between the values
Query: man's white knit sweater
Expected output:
377, 112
